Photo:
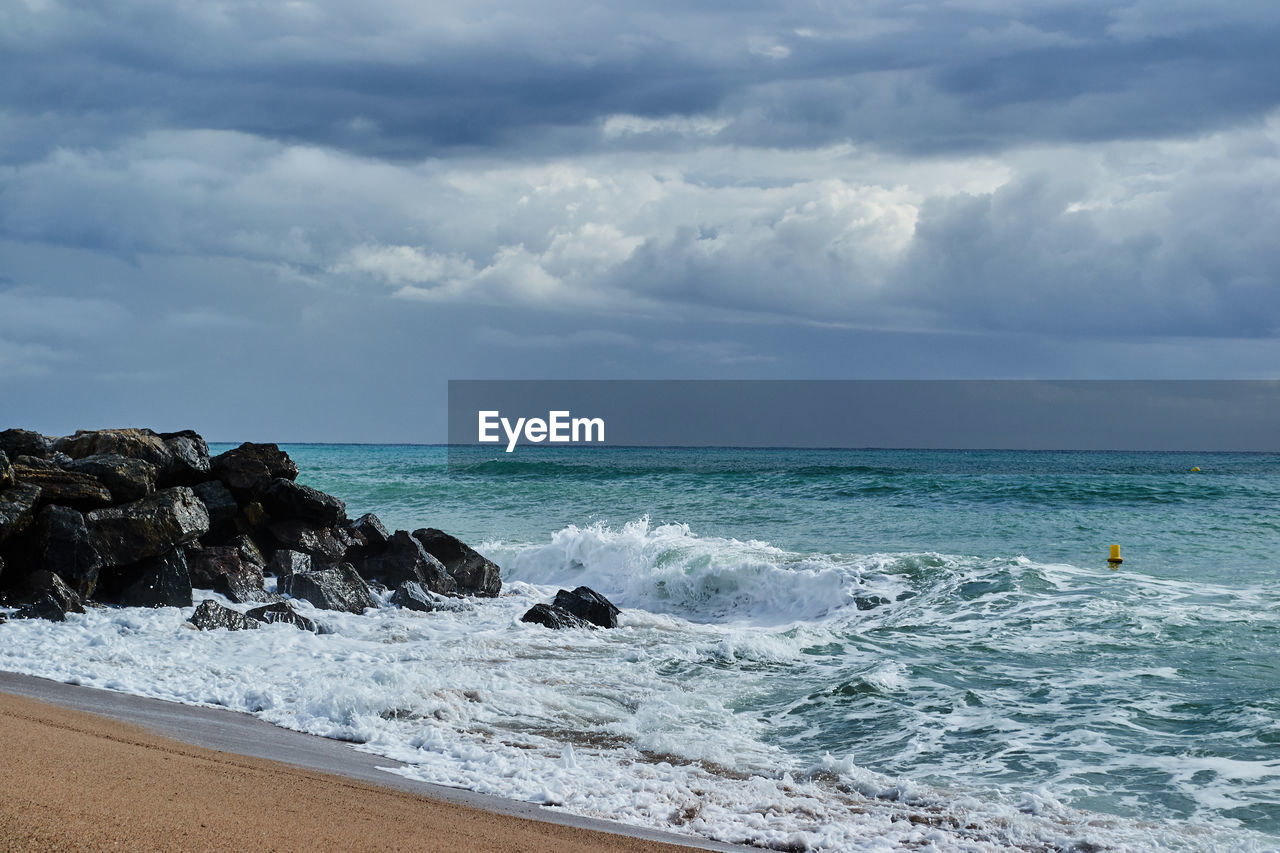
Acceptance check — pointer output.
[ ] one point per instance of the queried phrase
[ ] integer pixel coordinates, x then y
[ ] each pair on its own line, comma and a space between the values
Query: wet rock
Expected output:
404, 559
17, 510
210, 615
411, 596
286, 499
50, 598
589, 605
160, 581
554, 617
58, 486
282, 611
147, 528
372, 531
286, 562
62, 546
131, 443
24, 442
7, 477
249, 469
126, 479
339, 588
190, 458
319, 542
474, 574
219, 503
229, 570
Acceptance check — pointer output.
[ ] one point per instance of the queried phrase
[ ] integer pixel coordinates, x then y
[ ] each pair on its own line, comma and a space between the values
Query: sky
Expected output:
296, 221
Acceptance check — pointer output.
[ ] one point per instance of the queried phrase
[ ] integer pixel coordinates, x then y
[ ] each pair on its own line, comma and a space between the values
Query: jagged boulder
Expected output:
554, 617
286, 562
155, 525
320, 542
285, 499
17, 509
229, 569
372, 532
210, 615
404, 559
338, 588
588, 604
7, 478
190, 458
282, 611
161, 581
411, 596
126, 479
249, 469
131, 443
50, 598
61, 545
59, 486
219, 503
474, 573
24, 442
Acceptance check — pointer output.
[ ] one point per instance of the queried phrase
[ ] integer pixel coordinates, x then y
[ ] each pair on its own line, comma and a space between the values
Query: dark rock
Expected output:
339, 588
50, 598
373, 532
590, 605
17, 509
250, 468
219, 502
160, 581
404, 559
249, 551
147, 528
474, 573
286, 562
252, 518
190, 455
554, 617
24, 442
7, 477
67, 488
282, 611
411, 596
319, 542
131, 443
62, 545
286, 499
210, 615
126, 479
229, 570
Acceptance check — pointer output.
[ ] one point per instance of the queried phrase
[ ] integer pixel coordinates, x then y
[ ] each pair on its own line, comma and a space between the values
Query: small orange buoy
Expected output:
1195, 470
1115, 559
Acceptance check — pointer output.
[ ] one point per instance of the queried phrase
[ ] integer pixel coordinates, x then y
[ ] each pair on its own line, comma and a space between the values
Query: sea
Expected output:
819, 650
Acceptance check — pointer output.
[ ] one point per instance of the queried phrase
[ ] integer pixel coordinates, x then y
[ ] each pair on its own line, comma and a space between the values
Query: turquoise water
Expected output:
958, 623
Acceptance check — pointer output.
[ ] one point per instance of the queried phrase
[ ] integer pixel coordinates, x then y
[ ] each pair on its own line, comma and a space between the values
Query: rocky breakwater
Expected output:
132, 517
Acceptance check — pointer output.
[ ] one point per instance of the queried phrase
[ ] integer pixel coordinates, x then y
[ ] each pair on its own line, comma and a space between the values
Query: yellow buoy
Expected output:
1115, 559
1195, 469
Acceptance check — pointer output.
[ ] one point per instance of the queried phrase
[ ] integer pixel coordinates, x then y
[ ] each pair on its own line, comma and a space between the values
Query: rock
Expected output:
229, 570
57, 486
7, 478
51, 598
554, 617
411, 596
372, 531
282, 611
404, 559
210, 615
286, 499
160, 581
126, 479
131, 443
588, 604
286, 562
319, 542
339, 588
62, 546
190, 455
17, 509
252, 518
474, 573
24, 442
147, 528
249, 469
219, 503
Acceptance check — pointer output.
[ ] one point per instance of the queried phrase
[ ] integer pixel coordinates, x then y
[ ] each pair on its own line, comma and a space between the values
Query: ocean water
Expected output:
819, 649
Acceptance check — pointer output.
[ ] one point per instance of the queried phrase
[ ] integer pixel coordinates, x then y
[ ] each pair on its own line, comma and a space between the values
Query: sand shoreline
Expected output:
90, 769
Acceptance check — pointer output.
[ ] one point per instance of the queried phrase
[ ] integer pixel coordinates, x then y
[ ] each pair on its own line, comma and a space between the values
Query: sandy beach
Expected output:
78, 781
